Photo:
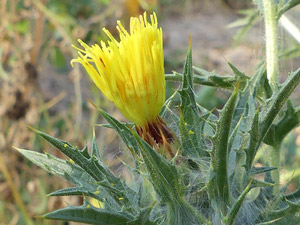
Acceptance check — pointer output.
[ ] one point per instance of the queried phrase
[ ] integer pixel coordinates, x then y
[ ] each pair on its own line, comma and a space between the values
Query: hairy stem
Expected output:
271, 30
275, 161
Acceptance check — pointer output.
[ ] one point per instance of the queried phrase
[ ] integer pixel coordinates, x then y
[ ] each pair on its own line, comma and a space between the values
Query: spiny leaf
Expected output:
190, 114
263, 169
233, 134
293, 196
246, 105
95, 151
276, 102
72, 173
287, 6
60, 167
94, 168
288, 122
99, 193
189, 148
164, 176
247, 110
75, 191
211, 79
214, 80
260, 183
74, 154
91, 215
220, 150
240, 76
254, 142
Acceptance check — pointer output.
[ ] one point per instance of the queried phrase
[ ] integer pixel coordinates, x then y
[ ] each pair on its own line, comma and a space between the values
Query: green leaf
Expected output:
95, 169
240, 76
99, 193
246, 105
204, 77
95, 151
254, 142
263, 169
168, 184
90, 215
287, 6
191, 124
227, 82
293, 196
74, 191
260, 183
288, 122
220, 151
234, 135
81, 158
60, 167
271, 110
72, 173
189, 148
188, 103
247, 112
164, 176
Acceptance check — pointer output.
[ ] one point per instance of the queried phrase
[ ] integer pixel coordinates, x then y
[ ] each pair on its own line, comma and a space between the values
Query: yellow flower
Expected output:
130, 72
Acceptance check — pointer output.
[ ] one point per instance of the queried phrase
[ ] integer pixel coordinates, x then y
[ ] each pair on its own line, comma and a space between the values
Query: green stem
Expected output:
271, 28
275, 161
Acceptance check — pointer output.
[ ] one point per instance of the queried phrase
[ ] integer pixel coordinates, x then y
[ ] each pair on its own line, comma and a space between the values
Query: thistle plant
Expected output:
203, 171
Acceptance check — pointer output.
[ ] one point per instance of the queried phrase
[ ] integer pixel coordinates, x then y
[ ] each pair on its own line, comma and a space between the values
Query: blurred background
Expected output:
38, 87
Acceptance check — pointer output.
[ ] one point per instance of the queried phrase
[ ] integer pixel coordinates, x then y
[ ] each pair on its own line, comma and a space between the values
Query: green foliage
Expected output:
219, 158
186, 186
189, 115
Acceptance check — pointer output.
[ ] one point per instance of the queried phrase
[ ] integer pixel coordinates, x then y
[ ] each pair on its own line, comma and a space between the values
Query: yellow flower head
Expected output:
130, 72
